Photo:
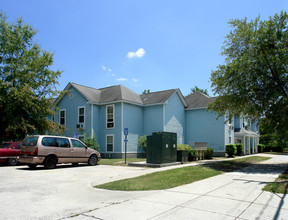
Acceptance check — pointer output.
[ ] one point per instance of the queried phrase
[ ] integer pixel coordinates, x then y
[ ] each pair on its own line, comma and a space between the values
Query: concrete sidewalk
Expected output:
236, 195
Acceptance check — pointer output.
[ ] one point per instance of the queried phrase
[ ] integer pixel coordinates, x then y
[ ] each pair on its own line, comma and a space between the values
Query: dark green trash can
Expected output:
161, 148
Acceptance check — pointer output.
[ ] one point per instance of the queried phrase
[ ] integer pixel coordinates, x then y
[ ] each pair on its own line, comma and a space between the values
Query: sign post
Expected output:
125, 140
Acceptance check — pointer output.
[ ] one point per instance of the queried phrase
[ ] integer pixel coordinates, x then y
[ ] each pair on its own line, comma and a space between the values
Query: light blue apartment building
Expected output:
106, 112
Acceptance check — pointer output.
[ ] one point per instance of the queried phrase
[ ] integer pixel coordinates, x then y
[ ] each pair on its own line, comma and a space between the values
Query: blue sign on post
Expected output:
125, 140
75, 135
125, 131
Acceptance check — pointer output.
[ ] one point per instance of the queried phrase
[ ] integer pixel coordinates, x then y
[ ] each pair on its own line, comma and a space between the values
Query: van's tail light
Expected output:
35, 153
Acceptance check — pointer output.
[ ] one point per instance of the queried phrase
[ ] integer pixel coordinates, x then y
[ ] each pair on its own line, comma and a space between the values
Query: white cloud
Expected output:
135, 80
106, 68
122, 79
139, 53
112, 74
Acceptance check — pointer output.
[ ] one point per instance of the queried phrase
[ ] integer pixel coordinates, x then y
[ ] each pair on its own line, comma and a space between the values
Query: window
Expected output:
77, 144
81, 114
48, 142
109, 142
110, 116
30, 141
55, 142
62, 117
62, 142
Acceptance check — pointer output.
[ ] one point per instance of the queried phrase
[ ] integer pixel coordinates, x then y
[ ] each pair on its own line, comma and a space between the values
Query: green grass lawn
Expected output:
280, 185
180, 176
119, 162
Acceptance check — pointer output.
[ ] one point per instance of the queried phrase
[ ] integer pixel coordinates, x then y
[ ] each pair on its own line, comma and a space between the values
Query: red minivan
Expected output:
9, 152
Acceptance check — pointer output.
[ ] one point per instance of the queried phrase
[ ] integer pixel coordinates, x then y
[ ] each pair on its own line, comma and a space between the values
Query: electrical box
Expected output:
161, 148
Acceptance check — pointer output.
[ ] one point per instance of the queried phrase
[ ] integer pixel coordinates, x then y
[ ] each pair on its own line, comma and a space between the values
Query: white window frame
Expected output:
79, 114
62, 110
108, 135
113, 106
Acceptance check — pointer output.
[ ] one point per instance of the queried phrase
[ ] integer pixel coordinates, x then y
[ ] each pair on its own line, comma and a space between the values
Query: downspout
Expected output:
122, 138
164, 117
92, 130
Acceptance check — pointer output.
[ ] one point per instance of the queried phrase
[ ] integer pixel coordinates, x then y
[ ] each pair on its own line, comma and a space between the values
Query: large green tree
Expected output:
26, 82
254, 78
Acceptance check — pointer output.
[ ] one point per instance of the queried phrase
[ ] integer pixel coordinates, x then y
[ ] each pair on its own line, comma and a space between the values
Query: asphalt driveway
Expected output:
67, 193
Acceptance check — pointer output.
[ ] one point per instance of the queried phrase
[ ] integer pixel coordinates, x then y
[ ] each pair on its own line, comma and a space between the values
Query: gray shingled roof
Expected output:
121, 93
198, 100
157, 97
91, 94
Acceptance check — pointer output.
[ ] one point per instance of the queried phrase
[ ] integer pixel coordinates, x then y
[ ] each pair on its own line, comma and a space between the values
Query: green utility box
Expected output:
161, 148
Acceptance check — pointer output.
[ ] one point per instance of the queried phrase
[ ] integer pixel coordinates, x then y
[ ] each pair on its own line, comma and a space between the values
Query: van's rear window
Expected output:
30, 141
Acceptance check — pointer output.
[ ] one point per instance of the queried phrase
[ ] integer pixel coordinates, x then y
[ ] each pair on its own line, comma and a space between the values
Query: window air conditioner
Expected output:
80, 126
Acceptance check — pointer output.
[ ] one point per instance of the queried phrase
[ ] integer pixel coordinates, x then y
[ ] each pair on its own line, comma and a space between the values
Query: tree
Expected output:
146, 91
92, 142
197, 89
254, 78
27, 85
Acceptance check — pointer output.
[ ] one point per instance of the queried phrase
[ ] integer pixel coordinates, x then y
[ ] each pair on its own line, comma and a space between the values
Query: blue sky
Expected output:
141, 44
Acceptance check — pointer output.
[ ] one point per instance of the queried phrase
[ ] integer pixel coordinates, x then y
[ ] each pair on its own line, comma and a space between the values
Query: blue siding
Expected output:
70, 103
153, 119
116, 131
133, 120
202, 126
175, 117
238, 122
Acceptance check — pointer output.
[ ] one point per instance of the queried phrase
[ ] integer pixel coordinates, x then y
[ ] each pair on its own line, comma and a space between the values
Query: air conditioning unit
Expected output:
80, 126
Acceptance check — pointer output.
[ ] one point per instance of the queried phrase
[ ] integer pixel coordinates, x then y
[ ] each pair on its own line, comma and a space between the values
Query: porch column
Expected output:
244, 144
249, 148
253, 140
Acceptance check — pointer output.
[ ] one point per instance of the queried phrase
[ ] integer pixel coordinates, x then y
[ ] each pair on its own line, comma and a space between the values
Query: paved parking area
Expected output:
67, 193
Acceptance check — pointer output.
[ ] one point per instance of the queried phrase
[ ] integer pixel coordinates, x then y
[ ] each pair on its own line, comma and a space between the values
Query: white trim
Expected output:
64, 117
79, 115
113, 116
122, 128
92, 118
163, 117
112, 143
181, 97
195, 108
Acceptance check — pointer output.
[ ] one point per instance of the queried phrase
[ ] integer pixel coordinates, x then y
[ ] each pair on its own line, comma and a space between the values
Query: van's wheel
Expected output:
50, 162
32, 166
75, 164
12, 161
92, 160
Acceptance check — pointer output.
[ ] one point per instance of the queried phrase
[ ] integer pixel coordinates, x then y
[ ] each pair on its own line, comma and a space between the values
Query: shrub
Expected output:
239, 149
92, 143
274, 148
142, 142
208, 153
261, 148
192, 154
231, 149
